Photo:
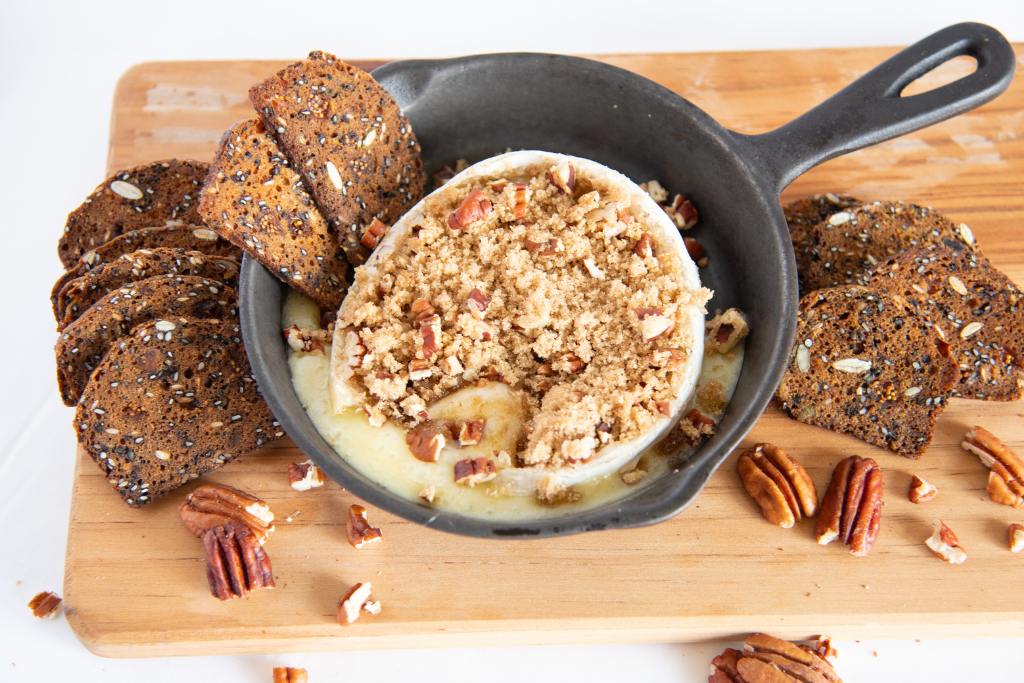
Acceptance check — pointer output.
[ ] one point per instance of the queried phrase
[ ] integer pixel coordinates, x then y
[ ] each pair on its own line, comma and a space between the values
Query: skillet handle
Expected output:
871, 110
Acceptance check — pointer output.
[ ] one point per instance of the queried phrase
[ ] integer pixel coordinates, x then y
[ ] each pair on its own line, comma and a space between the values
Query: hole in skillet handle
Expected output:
952, 71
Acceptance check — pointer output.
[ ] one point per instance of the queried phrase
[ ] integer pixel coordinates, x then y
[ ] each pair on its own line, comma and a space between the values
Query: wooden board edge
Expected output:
135, 644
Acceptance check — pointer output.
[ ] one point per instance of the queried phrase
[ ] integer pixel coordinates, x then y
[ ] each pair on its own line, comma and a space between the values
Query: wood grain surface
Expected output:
135, 583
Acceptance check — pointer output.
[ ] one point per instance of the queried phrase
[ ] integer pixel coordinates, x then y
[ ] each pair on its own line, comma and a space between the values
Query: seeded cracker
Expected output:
194, 237
255, 199
867, 364
979, 311
845, 247
83, 343
803, 214
168, 405
81, 293
139, 197
350, 141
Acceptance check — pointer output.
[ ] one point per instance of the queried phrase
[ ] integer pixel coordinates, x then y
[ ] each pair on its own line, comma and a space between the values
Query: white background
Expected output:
58, 65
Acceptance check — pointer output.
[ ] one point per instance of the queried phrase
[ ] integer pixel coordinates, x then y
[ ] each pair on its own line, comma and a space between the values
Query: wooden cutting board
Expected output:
135, 583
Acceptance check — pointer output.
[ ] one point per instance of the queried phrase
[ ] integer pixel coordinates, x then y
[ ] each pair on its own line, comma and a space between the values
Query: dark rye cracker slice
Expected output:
151, 194
350, 141
978, 311
195, 237
845, 247
167, 405
84, 291
803, 214
866, 364
83, 343
255, 199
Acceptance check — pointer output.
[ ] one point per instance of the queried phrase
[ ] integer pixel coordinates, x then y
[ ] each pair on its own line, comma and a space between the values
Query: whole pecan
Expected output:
766, 659
779, 484
1006, 475
851, 510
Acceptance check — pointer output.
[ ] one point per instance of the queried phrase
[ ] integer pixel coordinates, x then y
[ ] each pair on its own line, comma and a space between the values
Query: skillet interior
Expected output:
476, 107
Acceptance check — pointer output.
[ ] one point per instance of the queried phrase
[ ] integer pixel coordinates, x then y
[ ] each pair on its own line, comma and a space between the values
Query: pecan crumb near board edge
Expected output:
45, 605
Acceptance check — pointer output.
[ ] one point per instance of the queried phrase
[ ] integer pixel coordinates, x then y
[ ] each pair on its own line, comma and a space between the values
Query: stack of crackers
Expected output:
900, 311
149, 348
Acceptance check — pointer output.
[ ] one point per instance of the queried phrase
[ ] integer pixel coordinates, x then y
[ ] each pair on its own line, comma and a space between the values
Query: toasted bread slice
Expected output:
866, 363
170, 402
254, 199
348, 138
147, 195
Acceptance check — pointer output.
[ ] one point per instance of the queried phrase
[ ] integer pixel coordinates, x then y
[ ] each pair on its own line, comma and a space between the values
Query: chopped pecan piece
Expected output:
358, 528
428, 493
308, 341
550, 247
725, 330
421, 309
477, 302
766, 659
451, 365
354, 349
45, 605
429, 340
1006, 478
563, 176
644, 247
288, 674
851, 510
520, 199
425, 441
633, 476
779, 484
236, 563
419, 369
474, 207
654, 325
1015, 535
213, 505
696, 251
473, 471
354, 603
303, 476
373, 234
945, 545
920, 490
656, 190
682, 212
471, 431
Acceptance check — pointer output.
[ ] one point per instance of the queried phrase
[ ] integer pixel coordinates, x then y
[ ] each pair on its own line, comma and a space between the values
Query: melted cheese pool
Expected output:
383, 456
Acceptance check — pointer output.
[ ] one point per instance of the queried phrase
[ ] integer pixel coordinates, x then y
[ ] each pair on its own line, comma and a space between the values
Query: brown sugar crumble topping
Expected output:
549, 281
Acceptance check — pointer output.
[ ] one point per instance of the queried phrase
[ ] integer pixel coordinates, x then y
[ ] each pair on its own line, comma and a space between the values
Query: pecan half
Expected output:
725, 330
357, 600
945, 545
1015, 536
303, 476
1006, 478
213, 505
779, 484
236, 563
358, 528
474, 207
44, 605
920, 490
373, 234
288, 674
766, 659
473, 471
851, 510
425, 441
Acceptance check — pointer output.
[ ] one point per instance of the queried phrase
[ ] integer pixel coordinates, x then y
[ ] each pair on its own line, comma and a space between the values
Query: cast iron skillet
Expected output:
475, 107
